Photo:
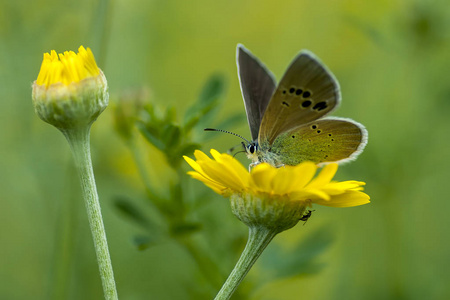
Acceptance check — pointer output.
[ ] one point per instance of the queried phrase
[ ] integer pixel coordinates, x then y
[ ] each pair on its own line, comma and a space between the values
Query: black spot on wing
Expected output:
306, 103
320, 106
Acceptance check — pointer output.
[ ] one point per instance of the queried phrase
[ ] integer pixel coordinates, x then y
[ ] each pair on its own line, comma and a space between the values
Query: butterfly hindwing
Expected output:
321, 141
257, 87
307, 91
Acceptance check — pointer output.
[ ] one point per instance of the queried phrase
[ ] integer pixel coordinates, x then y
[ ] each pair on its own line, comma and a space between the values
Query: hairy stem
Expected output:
258, 239
78, 139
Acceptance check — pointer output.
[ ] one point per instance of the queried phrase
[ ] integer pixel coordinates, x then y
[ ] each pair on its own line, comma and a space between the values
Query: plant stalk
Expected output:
258, 239
78, 139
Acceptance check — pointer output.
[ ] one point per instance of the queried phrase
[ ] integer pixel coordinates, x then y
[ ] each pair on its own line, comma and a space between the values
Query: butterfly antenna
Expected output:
234, 147
234, 155
221, 130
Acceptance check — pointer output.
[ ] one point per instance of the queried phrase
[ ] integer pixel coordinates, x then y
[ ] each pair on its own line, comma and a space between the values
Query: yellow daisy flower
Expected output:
274, 197
70, 89
226, 176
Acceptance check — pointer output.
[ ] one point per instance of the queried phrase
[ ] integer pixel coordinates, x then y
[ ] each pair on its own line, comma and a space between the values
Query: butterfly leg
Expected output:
250, 166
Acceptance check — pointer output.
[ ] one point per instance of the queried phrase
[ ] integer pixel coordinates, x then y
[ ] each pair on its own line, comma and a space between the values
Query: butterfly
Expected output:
287, 121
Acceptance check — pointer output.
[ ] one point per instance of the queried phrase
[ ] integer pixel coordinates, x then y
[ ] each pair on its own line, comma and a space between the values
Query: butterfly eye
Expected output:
251, 149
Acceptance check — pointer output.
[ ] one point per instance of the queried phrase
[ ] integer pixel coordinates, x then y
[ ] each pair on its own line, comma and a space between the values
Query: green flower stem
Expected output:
258, 239
78, 139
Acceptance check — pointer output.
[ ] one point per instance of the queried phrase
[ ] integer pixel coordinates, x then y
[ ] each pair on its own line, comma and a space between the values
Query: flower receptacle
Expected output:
274, 213
73, 105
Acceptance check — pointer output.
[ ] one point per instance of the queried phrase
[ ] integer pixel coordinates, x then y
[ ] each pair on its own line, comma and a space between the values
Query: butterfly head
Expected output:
251, 150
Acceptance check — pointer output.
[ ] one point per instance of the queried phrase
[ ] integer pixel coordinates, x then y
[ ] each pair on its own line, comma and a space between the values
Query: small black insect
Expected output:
306, 216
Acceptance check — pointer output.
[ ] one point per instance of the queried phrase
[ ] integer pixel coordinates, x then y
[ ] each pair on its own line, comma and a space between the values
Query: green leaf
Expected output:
171, 115
213, 89
207, 115
185, 228
171, 136
128, 210
211, 92
188, 149
191, 124
150, 134
176, 156
149, 114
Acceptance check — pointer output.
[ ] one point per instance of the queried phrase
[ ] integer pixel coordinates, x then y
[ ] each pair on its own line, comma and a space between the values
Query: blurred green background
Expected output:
392, 59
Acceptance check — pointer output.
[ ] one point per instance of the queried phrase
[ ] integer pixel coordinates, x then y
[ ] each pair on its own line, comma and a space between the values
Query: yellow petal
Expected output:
194, 165
303, 173
347, 199
216, 155
222, 175
261, 177
324, 176
309, 194
284, 181
215, 186
67, 67
221, 172
200, 156
335, 188
234, 165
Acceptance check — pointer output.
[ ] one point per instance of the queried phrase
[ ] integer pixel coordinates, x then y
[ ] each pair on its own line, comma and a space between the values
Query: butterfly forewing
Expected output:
257, 87
307, 91
321, 141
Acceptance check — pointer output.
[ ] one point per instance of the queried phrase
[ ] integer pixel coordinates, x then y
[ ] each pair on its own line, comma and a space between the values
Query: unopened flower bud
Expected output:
70, 90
